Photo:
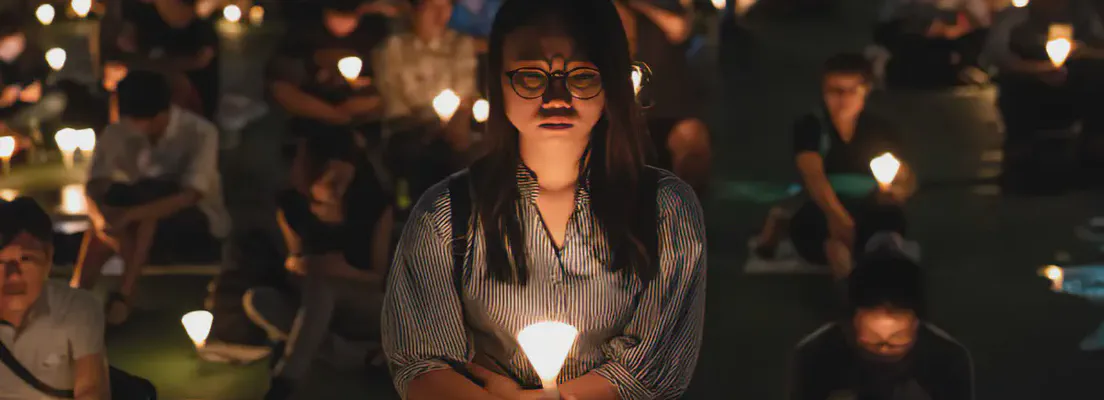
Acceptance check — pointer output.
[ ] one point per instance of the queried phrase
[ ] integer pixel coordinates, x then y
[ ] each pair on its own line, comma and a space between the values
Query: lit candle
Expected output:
637, 79
56, 58
1056, 276
1020, 3
1059, 50
68, 143
481, 110
73, 201
885, 168
445, 104
45, 14
350, 67
198, 325
81, 7
8, 194
232, 13
256, 15
86, 140
719, 4
7, 149
547, 344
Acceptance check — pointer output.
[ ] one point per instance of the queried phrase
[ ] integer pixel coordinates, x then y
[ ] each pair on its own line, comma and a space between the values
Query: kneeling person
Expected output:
884, 349
53, 332
154, 175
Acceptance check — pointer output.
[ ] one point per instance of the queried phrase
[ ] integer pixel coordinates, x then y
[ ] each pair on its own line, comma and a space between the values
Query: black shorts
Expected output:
809, 226
179, 235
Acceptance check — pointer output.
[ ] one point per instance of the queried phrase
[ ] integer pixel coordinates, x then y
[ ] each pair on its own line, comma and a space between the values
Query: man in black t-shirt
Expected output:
833, 148
883, 350
657, 36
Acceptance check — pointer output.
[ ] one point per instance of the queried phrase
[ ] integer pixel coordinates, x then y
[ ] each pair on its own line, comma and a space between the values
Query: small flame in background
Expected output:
45, 14
81, 7
350, 67
1059, 50
481, 110
885, 168
197, 324
73, 201
445, 104
232, 13
56, 58
1020, 3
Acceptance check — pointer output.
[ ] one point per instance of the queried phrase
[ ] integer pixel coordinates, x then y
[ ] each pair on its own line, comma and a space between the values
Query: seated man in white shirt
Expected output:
153, 179
933, 43
51, 336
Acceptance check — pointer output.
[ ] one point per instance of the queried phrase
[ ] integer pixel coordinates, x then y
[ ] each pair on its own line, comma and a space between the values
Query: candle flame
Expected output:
547, 344
45, 14
1053, 272
67, 140
445, 104
56, 58
81, 7
256, 15
1020, 3
86, 139
1059, 50
198, 325
350, 67
73, 201
481, 110
885, 168
8, 194
7, 147
719, 4
637, 79
232, 13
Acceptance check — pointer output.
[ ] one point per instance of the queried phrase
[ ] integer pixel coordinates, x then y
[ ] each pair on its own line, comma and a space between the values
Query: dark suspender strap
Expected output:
19, 370
460, 201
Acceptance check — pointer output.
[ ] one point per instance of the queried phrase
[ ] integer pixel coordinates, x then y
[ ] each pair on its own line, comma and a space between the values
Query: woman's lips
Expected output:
557, 124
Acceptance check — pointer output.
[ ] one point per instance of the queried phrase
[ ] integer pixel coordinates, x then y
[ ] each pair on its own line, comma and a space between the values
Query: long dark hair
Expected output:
618, 142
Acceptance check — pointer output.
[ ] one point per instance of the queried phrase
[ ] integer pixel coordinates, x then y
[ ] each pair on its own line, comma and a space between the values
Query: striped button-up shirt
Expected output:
643, 338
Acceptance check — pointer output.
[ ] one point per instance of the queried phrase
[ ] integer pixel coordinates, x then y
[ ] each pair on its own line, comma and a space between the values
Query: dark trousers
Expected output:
809, 226
421, 160
181, 237
923, 62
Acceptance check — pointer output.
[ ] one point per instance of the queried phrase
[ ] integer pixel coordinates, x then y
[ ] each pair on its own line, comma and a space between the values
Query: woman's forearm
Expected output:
291, 239
590, 387
443, 385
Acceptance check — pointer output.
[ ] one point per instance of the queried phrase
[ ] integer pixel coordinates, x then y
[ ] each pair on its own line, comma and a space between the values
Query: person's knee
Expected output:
689, 136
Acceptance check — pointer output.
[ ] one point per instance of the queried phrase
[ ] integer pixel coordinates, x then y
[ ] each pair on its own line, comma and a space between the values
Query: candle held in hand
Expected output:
232, 13
547, 344
481, 110
1056, 276
45, 14
56, 58
198, 325
350, 67
446, 104
885, 168
1059, 50
81, 7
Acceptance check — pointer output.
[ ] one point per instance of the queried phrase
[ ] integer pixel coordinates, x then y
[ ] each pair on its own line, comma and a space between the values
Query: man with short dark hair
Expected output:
53, 332
883, 350
154, 175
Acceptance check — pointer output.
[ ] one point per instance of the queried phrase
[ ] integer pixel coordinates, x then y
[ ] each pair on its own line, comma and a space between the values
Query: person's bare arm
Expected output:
811, 167
445, 384
291, 239
675, 26
301, 104
91, 378
175, 13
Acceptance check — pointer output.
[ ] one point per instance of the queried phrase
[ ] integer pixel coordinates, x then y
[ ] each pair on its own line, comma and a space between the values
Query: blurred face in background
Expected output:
341, 24
566, 107
885, 333
431, 17
12, 46
845, 94
25, 266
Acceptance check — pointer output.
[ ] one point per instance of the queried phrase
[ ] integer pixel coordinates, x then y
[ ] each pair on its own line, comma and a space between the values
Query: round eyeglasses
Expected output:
530, 83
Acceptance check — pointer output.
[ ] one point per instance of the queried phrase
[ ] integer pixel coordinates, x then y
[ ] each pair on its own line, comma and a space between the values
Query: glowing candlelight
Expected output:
204, 8
7, 149
198, 325
1020, 3
885, 168
445, 104
232, 13
68, 142
81, 7
547, 344
86, 140
73, 201
1059, 50
45, 14
350, 67
481, 110
56, 58
637, 79
256, 15
8, 194
719, 4
1056, 276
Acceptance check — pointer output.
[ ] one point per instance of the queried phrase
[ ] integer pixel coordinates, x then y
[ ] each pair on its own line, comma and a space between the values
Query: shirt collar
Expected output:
40, 309
528, 187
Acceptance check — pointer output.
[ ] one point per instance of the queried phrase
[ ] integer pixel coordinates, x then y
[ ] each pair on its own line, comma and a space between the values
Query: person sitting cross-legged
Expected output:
883, 349
337, 224
153, 179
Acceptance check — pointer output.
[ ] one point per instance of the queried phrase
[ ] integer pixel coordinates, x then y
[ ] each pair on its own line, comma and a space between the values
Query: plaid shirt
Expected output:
410, 72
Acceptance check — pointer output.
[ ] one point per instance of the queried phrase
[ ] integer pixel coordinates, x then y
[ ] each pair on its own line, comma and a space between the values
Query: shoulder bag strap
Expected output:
461, 204
19, 370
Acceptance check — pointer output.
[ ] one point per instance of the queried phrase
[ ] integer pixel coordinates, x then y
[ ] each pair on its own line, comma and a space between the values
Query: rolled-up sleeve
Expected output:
422, 323
655, 355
